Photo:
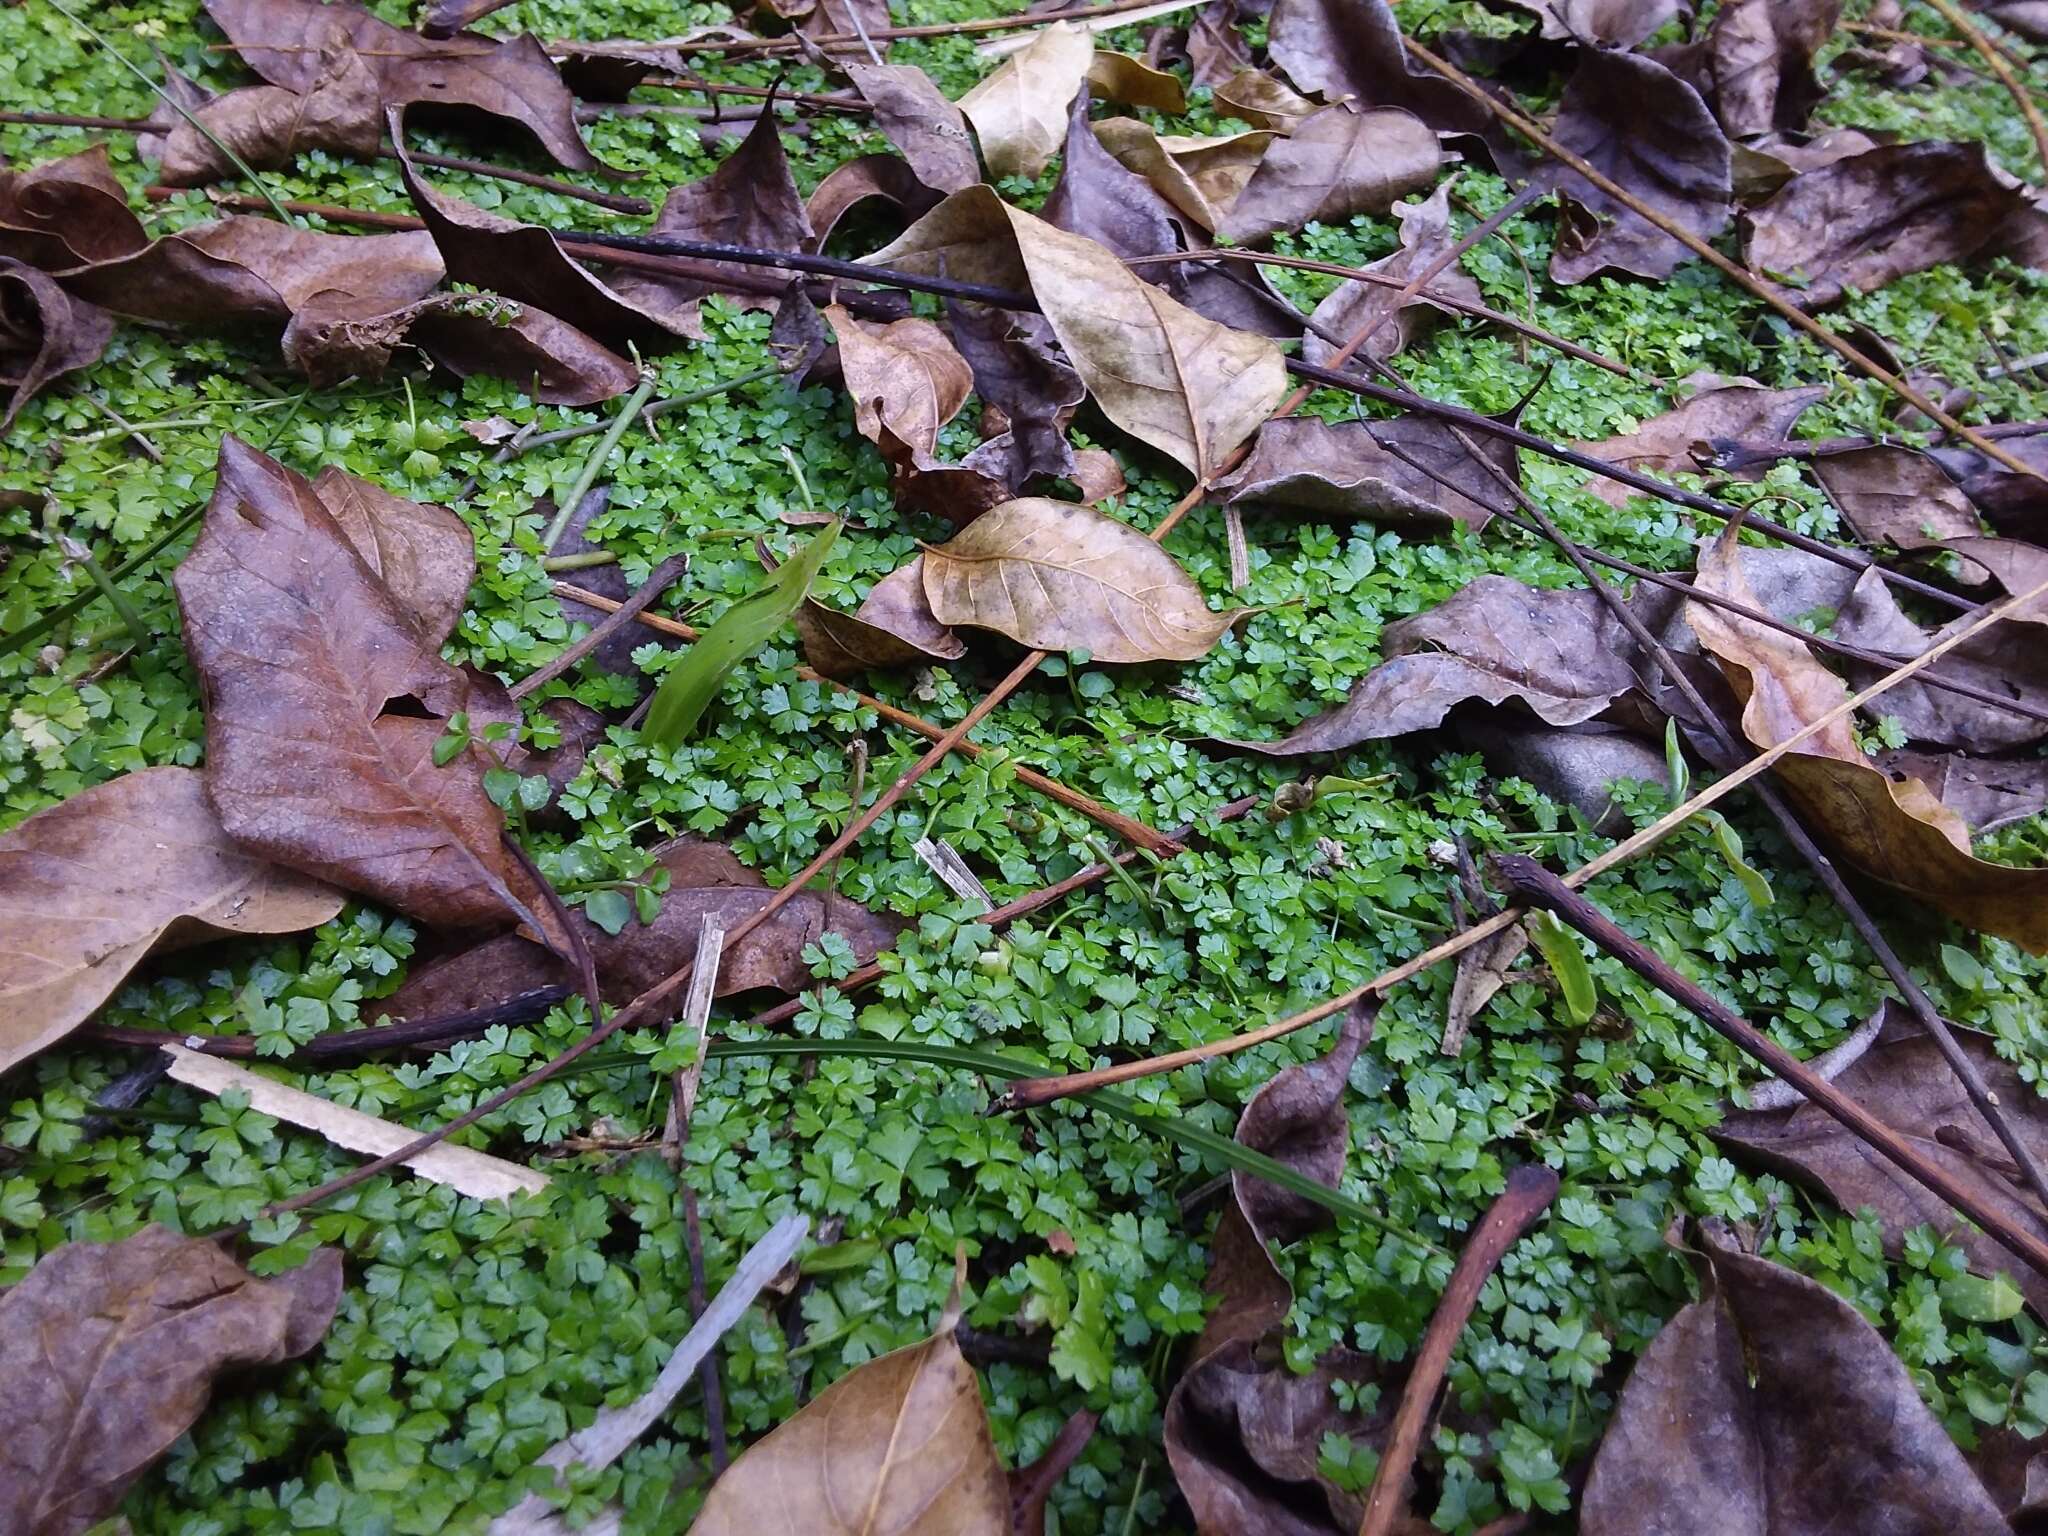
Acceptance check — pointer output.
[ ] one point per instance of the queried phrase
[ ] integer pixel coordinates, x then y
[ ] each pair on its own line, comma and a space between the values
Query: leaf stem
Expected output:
594, 464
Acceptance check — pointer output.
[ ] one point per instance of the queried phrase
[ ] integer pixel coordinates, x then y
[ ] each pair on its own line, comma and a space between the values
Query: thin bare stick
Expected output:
760, 92
1017, 23
1841, 347
1994, 61
1823, 867
1131, 831
1463, 306
659, 580
1029, 1092
594, 464
1537, 887
1531, 1188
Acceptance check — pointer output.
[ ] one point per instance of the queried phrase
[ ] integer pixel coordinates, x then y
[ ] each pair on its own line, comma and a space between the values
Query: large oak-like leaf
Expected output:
302, 651
1648, 131
1769, 1407
91, 886
110, 1351
1903, 1080
899, 1446
1191, 388
293, 43
1557, 654
1061, 577
1020, 111
1896, 832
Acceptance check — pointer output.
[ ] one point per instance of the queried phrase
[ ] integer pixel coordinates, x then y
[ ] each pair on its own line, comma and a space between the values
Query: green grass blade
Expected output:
689, 686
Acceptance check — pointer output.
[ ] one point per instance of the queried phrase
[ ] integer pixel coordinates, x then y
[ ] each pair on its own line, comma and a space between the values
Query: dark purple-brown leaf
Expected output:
1348, 470
1335, 164
1760, 56
1649, 132
1769, 1407
910, 113
1718, 409
268, 126
68, 212
110, 1351
1353, 306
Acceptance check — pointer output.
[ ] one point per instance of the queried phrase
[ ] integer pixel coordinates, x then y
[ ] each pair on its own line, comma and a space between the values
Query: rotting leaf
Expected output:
888, 178
692, 680
44, 334
1243, 1431
1760, 57
1019, 378
1493, 640
1896, 832
1353, 306
1346, 470
301, 650
1337, 163
110, 1351
893, 627
292, 43
1863, 221
1897, 496
1769, 1407
137, 865
1020, 111
67, 212
1718, 408
269, 126
912, 114
1648, 131
899, 1446
1191, 388
1060, 577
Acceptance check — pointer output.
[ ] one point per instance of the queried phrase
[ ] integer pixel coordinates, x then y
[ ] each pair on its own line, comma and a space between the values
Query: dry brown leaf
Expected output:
1558, 654
468, 1172
1760, 56
44, 334
1191, 388
292, 43
905, 378
91, 886
110, 1351
1896, 832
1897, 496
67, 212
1347, 469
1124, 78
899, 1446
1020, 111
1601, 23
1060, 577
1647, 130
1201, 176
912, 114
893, 627
1718, 408
301, 650
888, 178
268, 126
1353, 306
1264, 100
1338, 163
1770, 1407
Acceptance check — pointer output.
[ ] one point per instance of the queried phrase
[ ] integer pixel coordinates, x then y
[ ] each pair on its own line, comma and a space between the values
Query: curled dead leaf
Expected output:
1020, 111
912, 114
893, 627
44, 334
1335, 164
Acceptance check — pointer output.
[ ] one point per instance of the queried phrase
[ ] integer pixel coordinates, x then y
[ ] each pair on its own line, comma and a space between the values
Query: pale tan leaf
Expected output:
91, 886
1060, 577
463, 1169
1264, 101
906, 379
899, 1446
1020, 111
1201, 177
1124, 77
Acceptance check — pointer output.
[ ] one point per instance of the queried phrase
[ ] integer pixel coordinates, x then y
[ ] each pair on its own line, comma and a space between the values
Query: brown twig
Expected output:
762, 93
1029, 1092
1994, 61
1536, 886
1841, 347
1130, 830
707, 1372
659, 580
1795, 832
1531, 1188
1017, 23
